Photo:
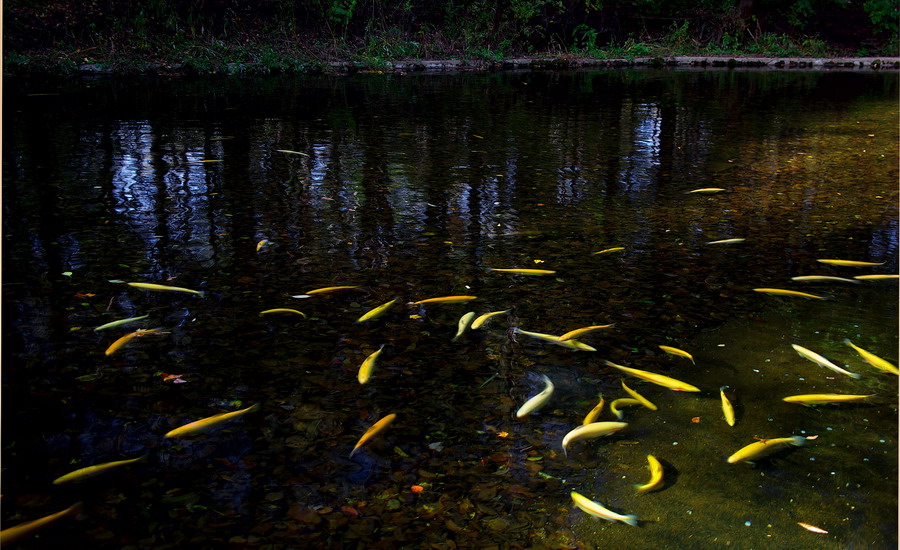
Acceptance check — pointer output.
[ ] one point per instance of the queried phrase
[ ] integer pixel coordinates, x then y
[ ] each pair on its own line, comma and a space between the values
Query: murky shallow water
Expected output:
412, 187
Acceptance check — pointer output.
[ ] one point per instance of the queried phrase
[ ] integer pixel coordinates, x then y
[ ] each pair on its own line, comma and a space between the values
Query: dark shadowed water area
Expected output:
256, 191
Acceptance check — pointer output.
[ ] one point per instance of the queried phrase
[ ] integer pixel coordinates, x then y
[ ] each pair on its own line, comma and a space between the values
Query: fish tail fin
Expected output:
847, 341
353, 451
856, 375
798, 440
630, 519
254, 408
721, 388
201, 293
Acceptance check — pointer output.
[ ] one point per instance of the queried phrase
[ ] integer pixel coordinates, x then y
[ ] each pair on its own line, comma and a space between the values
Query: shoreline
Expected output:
559, 62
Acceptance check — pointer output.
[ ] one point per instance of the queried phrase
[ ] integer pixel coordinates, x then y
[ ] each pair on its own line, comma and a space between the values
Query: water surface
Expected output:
412, 187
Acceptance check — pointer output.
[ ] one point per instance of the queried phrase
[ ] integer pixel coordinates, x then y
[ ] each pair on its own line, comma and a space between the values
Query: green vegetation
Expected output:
287, 36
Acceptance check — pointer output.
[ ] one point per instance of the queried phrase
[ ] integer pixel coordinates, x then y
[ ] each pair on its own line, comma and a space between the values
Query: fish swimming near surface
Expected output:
90, 471
261, 244
446, 300
599, 511
766, 447
365, 370
876, 277
595, 412
524, 271
727, 407
727, 241
463, 324
570, 344
537, 401
373, 430
873, 359
120, 343
329, 289
657, 379
821, 361
282, 310
120, 322
483, 318
590, 431
812, 528
622, 402
16, 532
583, 330
679, 352
608, 250
204, 425
377, 312
656, 476
705, 190
640, 398
166, 288
813, 399
783, 292
850, 263
815, 278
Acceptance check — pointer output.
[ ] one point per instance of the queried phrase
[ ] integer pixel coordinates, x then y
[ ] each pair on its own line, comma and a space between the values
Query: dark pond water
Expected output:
412, 187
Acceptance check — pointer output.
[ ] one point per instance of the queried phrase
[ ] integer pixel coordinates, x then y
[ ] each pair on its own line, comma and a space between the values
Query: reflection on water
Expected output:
412, 187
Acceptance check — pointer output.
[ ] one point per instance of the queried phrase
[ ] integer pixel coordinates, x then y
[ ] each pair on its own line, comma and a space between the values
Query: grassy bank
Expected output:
277, 36
253, 56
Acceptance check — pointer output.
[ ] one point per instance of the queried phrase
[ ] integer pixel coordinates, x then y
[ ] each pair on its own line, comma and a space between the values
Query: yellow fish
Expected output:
876, 277
377, 312
447, 300
678, 352
16, 532
656, 476
782, 292
120, 322
538, 401
365, 370
463, 324
821, 361
873, 359
481, 319
261, 244
598, 510
622, 402
328, 289
570, 344
812, 399
595, 412
590, 431
727, 408
766, 447
120, 343
657, 379
373, 430
524, 271
640, 398
706, 190
607, 250
579, 331
204, 425
281, 310
288, 151
850, 263
91, 471
165, 288
823, 278
727, 241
